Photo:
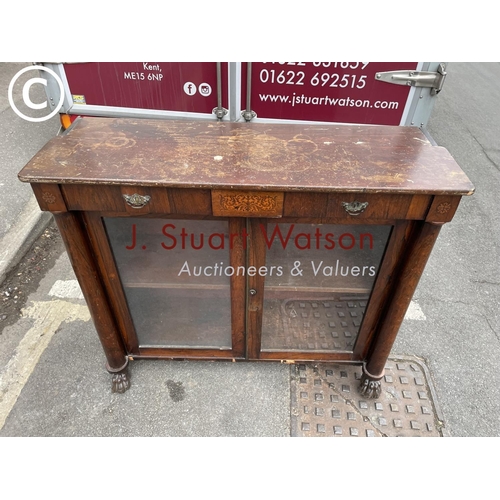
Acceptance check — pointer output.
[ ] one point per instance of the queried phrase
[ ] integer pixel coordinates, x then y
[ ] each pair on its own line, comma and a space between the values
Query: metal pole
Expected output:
248, 114
219, 111
249, 87
219, 89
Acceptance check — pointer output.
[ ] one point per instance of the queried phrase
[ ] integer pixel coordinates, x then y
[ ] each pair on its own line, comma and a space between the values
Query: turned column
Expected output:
413, 266
86, 272
442, 209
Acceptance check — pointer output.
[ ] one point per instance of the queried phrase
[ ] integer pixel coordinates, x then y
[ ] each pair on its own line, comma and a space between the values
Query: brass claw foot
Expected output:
370, 386
120, 382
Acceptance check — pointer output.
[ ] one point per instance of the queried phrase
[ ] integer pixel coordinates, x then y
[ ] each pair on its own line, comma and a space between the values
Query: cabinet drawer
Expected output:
375, 206
139, 200
129, 199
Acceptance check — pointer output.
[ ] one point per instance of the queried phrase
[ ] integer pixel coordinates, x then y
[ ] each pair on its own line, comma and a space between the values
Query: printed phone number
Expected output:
322, 79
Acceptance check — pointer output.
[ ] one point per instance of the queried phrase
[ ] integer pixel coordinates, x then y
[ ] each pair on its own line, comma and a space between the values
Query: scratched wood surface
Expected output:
256, 156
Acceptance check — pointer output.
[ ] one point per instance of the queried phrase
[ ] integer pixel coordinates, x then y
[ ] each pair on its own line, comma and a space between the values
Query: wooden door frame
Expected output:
110, 276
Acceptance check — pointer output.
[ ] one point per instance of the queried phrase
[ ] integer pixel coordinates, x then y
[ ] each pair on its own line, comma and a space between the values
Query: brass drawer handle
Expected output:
355, 208
136, 200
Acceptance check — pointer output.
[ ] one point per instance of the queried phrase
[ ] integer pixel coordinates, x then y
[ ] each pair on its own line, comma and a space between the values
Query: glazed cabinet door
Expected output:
172, 284
312, 287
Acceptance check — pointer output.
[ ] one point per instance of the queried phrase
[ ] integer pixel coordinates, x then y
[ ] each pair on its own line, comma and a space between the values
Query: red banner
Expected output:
182, 86
342, 92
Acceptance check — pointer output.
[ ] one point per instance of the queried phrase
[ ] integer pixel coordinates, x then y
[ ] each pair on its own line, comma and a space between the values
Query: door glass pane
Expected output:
318, 283
174, 277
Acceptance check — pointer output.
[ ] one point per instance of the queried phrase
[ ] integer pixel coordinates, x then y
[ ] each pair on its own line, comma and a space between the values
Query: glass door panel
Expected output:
176, 278
318, 282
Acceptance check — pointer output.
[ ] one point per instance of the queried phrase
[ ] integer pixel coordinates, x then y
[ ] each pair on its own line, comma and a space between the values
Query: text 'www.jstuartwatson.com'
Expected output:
343, 102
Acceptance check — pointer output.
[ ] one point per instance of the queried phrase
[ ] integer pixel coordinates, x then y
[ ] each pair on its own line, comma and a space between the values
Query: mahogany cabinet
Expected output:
244, 241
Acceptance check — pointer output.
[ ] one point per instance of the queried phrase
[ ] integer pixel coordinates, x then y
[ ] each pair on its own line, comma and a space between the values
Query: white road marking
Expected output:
415, 312
68, 289
48, 317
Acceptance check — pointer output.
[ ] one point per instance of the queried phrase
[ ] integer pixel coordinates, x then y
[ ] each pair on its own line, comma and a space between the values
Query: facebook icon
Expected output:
190, 88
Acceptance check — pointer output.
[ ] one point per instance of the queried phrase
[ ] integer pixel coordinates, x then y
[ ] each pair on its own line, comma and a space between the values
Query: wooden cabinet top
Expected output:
257, 156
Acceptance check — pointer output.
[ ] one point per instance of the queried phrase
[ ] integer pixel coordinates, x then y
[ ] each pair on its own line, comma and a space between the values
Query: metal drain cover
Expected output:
328, 324
326, 402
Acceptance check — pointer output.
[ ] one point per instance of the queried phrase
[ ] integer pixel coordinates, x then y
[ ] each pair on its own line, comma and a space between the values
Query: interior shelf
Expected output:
269, 290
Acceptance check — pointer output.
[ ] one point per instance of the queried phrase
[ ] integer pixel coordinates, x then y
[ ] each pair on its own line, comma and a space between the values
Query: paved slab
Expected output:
20, 217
